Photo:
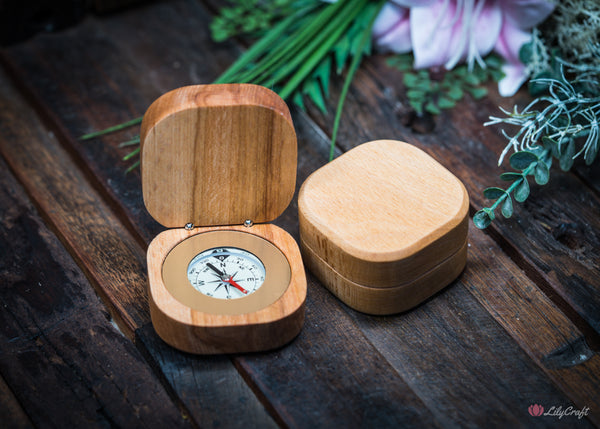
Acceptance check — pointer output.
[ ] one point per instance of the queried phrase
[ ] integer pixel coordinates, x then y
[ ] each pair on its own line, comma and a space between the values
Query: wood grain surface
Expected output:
519, 326
248, 328
65, 363
217, 155
384, 226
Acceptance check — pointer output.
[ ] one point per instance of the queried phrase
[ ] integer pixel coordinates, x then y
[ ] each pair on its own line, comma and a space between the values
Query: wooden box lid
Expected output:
217, 155
383, 214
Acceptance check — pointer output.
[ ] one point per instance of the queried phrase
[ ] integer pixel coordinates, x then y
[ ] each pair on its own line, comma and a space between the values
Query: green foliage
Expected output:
563, 60
529, 163
297, 56
432, 90
561, 122
248, 17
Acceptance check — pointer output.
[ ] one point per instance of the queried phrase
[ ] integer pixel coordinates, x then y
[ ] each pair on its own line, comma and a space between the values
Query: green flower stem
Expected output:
292, 46
515, 184
112, 129
316, 57
323, 42
133, 166
351, 71
133, 141
132, 153
258, 48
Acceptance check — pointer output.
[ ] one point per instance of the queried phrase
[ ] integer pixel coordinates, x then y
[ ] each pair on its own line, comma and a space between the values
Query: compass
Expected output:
226, 273
219, 163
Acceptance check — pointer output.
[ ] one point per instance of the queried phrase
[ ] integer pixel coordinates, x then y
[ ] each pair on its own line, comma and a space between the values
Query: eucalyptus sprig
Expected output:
561, 123
536, 163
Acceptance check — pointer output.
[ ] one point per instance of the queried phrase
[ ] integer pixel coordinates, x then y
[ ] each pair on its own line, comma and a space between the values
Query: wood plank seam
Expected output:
591, 336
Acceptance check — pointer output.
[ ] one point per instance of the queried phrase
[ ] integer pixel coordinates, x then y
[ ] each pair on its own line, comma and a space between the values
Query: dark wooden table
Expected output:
520, 326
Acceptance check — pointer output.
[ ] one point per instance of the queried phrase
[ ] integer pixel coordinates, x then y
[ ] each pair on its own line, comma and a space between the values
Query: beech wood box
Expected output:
221, 159
384, 226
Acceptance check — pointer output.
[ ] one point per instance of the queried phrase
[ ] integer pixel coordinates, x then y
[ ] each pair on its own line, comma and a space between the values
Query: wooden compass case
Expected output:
212, 158
384, 226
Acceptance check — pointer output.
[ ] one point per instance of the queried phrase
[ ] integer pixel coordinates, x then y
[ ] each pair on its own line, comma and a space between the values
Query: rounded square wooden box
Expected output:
384, 226
214, 158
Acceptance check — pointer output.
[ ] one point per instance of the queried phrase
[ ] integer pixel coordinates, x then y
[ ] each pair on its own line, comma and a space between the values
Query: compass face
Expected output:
226, 273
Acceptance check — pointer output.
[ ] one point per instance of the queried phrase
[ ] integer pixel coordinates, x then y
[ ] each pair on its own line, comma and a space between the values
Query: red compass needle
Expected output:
235, 285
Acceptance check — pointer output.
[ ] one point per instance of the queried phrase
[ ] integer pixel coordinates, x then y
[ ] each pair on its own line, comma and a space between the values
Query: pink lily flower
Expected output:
446, 32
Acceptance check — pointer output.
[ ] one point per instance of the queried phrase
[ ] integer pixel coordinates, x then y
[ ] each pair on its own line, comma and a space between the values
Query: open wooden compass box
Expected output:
217, 162
384, 226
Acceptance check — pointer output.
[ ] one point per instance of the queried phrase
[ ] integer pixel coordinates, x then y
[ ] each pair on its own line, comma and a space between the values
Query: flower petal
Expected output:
510, 41
508, 45
388, 18
391, 29
527, 14
515, 75
412, 3
439, 35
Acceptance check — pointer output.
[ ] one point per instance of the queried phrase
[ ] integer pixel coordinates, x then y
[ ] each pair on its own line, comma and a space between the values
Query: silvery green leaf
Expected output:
522, 191
507, 207
541, 173
482, 219
523, 159
566, 158
493, 193
591, 153
510, 176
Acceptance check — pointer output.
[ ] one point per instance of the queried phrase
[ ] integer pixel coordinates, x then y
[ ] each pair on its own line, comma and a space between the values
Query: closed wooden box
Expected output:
384, 226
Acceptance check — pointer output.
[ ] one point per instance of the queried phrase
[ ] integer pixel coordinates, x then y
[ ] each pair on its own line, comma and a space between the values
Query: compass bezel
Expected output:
277, 272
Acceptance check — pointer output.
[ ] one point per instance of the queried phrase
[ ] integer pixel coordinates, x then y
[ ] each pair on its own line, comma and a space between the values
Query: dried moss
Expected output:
574, 29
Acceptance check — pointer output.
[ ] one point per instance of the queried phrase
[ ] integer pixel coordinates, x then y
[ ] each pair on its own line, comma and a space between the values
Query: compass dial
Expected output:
226, 273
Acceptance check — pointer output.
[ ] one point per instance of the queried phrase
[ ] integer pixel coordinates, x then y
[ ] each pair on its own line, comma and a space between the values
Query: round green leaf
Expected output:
526, 52
432, 108
510, 176
507, 207
482, 219
410, 80
445, 103
455, 93
477, 93
493, 193
521, 160
541, 173
522, 191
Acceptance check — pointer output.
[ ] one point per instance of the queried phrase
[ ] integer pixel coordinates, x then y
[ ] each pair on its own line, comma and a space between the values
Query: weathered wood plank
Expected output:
49, 185
107, 251
208, 386
109, 71
12, 415
63, 360
515, 303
